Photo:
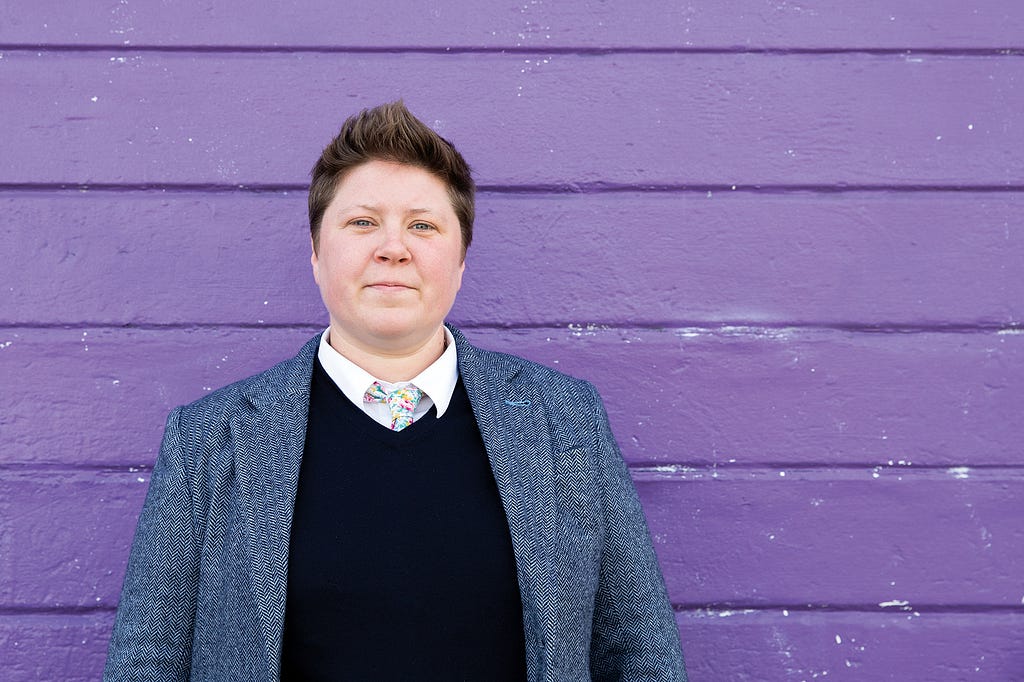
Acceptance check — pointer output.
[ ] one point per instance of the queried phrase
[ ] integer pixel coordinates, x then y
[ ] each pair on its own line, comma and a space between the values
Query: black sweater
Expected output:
400, 563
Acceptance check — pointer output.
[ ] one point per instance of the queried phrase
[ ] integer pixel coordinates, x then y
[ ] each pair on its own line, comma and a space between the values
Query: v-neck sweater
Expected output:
400, 560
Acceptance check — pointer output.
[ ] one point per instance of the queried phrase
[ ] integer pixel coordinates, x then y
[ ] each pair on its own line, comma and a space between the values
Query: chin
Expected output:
399, 330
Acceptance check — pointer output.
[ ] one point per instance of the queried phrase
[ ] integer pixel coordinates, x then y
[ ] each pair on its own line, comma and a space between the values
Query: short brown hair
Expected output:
390, 132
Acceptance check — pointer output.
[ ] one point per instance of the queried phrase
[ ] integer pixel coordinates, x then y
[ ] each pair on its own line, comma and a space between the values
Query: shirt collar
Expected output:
437, 380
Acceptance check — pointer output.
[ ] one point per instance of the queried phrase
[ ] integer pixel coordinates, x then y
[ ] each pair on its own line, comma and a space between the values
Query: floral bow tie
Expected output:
401, 401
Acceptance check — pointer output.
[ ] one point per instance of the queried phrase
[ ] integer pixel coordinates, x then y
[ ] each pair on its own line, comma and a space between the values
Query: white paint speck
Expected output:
839, 640
782, 474
959, 472
970, 126
140, 479
94, 98
938, 137
894, 602
785, 612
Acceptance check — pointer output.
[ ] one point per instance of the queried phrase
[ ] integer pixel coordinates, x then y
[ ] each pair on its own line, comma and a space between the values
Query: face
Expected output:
389, 260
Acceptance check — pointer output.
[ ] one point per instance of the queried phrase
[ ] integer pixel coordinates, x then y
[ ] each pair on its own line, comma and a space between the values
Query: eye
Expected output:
423, 227
361, 222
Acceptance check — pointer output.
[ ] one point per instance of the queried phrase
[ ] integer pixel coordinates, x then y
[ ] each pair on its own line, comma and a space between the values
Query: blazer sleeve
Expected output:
634, 634
152, 636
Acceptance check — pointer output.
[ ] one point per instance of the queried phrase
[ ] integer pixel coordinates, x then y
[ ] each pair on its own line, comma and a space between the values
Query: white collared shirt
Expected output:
436, 381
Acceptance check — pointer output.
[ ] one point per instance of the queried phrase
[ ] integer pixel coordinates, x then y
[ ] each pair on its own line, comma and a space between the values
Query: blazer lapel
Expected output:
513, 424
268, 444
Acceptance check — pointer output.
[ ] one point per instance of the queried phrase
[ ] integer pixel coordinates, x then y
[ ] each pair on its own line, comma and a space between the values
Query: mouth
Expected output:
389, 286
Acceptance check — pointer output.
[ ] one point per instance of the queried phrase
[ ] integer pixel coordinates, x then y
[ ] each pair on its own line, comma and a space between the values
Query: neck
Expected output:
388, 365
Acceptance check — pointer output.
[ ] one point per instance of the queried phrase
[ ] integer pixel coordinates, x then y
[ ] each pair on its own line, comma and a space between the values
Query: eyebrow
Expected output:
376, 209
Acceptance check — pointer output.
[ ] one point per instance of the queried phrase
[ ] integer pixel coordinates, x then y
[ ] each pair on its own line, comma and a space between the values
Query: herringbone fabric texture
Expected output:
204, 593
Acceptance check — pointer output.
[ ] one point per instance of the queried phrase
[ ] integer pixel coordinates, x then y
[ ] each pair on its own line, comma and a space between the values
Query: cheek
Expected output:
448, 277
334, 269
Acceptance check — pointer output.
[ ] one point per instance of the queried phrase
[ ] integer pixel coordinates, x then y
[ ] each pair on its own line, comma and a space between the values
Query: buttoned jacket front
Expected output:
204, 594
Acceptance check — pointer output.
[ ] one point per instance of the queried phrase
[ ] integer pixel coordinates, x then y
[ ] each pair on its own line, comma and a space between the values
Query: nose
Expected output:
392, 247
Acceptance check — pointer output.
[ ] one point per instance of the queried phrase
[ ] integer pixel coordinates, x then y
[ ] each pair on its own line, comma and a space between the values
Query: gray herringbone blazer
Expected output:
204, 595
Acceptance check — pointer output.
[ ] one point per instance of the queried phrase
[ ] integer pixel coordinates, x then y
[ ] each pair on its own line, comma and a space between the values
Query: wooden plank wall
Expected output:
784, 239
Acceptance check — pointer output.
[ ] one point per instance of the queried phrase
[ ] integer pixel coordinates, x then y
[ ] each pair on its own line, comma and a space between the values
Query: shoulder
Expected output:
517, 369
572, 406
528, 371
288, 379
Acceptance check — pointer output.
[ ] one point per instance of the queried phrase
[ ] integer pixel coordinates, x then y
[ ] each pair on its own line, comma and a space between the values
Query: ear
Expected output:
462, 270
314, 261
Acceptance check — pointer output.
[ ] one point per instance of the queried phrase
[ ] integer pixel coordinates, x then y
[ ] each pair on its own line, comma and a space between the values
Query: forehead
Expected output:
393, 185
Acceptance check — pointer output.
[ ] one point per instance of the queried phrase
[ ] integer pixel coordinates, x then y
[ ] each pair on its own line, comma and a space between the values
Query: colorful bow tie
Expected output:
401, 401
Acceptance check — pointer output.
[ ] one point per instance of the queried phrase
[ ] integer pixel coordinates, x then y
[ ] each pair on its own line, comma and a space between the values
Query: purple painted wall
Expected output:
800, 223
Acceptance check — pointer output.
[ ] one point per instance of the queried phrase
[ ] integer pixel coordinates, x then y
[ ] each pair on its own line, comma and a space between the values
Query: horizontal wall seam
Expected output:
896, 608
682, 470
42, 610
902, 473
715, 609
684, 328
577, 50
820, 466
539, 189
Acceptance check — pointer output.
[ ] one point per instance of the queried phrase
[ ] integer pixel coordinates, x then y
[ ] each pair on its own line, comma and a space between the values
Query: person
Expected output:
393, 502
